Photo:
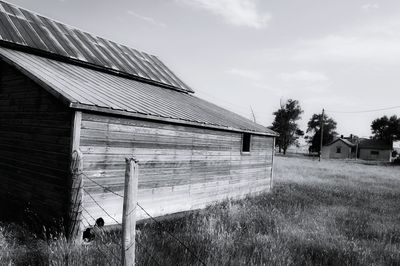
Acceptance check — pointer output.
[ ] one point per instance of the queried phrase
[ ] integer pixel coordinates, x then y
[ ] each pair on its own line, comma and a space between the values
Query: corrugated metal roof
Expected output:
85, 88
28, 29
375, 144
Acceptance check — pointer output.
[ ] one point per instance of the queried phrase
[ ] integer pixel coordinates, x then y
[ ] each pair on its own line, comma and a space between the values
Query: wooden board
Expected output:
181, 168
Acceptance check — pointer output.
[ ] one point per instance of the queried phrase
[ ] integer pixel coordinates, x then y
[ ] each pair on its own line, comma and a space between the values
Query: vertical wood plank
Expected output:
129, 212
76, 131
75, 227
75, 213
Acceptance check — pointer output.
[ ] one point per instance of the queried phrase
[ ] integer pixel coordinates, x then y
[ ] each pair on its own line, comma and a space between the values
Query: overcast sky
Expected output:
339, 55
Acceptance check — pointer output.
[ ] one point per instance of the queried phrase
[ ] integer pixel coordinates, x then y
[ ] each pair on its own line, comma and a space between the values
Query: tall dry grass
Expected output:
327, 213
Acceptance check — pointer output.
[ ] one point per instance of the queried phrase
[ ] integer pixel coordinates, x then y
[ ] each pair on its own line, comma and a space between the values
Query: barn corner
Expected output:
65, 90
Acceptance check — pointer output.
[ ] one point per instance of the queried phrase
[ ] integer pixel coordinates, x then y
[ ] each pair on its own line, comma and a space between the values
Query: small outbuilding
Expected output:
63, 90
375, 150
339, 148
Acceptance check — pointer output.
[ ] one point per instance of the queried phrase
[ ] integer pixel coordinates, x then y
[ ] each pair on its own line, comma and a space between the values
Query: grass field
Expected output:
327, 213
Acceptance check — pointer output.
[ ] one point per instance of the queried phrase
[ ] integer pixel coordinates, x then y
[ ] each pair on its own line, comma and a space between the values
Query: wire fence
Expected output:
98, 229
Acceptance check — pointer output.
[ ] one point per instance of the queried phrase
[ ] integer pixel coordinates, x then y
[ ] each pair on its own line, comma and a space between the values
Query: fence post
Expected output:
129, 211
75, 231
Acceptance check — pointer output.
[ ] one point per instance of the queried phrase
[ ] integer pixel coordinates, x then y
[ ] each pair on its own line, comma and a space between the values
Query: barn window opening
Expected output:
374, 152
246, 139
338, 149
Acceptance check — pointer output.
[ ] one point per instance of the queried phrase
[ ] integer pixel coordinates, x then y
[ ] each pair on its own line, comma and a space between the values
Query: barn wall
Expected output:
384, 155
181, 168
34, 145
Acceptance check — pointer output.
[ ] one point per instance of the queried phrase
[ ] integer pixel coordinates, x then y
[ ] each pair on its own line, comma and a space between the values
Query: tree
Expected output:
387, 129
285, 124
314, 127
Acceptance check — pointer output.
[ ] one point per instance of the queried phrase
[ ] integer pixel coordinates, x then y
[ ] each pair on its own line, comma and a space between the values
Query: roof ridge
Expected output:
29, 29
71, 26
347, 142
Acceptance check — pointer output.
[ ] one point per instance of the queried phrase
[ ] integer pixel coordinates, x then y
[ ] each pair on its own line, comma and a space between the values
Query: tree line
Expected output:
285, 124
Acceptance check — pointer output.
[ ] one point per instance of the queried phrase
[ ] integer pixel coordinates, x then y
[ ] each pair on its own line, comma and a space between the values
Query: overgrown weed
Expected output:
328, 213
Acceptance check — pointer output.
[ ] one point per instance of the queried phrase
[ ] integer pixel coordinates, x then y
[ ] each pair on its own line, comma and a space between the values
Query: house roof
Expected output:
374, 144
88, 89
27, 30
345, 141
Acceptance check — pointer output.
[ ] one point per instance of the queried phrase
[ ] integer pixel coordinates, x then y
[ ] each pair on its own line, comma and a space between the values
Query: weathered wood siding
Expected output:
35, 132
370, 154
181, 168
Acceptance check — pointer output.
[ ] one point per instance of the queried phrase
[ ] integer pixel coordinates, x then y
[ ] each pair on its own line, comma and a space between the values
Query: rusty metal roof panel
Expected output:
87, 88
30, 30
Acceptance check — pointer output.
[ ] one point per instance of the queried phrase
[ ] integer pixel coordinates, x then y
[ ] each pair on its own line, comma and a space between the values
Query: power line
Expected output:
365, 111
233, 106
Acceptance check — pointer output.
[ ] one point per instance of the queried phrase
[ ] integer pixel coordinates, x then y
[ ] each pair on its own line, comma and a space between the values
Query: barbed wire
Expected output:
148, 253
104, 244
103, 231
172, 235
98, 204
103, 187
94, 219
141, 207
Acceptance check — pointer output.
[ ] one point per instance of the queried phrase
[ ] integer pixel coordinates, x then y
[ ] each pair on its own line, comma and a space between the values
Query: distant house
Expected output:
340, 148
376, 150
364, 149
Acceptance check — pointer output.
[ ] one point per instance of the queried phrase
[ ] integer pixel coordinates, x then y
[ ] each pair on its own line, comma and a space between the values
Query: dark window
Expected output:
338, 149
374, 152
246, 139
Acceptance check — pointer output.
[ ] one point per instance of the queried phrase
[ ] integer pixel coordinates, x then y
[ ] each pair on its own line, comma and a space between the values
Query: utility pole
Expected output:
322, 134
252, 113
357, 149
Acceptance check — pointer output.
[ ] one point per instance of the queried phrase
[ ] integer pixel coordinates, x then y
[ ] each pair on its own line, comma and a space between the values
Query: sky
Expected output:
343, 56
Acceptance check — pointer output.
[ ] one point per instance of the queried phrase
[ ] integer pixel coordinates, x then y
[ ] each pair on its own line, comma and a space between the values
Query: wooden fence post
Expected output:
129, 211
75, 231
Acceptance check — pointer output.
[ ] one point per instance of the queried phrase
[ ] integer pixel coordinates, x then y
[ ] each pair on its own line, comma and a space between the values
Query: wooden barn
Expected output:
63, 89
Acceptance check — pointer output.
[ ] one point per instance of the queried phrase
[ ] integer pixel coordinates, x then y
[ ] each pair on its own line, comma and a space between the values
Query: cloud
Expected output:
245, 73
234, 12
147, 19
373, 43
304, 75
370, 6
341, 48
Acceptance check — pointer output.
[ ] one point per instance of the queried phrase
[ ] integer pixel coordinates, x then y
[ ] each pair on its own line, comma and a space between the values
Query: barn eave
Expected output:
98, 109
80, 88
